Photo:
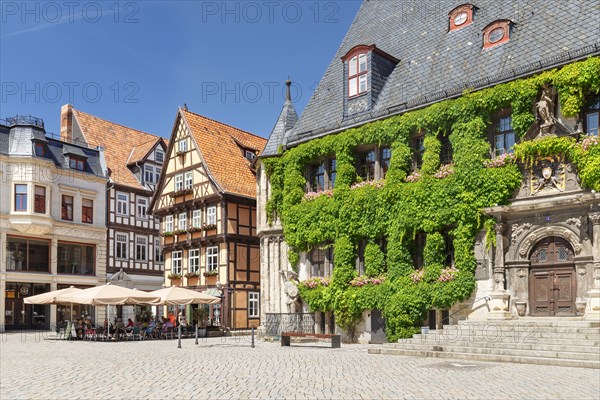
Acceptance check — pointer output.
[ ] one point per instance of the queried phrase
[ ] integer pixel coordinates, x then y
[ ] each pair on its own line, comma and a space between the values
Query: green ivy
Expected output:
446, 200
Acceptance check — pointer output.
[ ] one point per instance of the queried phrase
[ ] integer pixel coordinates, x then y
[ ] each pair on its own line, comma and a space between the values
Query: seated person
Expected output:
130, 325
119, 328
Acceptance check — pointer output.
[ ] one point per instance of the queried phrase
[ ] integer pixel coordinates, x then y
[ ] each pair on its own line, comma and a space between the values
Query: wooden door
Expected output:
552, 284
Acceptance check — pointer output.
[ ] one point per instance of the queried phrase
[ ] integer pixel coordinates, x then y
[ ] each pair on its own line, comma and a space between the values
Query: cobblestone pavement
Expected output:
32, 367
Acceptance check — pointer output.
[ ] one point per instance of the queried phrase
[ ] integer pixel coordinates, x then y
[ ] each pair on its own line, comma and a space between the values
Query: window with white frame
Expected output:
178, 182
121, 245
211, 215
169, 223
212, 258
159, 156
176, 262
141, 248
182, 146
194, 260
142, 207
253, 304
250, 155
148, 174
122, 203
156, 174
189, 179
182, 222
196, 218
158, 254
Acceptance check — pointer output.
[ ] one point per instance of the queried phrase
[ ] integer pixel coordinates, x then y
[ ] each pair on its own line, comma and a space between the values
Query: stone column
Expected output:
499, 296
592, 310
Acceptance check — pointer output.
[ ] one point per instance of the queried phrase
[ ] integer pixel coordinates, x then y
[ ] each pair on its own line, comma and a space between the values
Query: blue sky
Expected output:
134, 63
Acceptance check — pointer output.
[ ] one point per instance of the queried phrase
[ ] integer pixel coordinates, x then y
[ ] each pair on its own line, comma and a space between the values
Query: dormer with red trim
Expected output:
461, 16
366, 69
496, 33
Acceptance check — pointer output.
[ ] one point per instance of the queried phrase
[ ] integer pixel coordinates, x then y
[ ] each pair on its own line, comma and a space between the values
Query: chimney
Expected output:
66, 122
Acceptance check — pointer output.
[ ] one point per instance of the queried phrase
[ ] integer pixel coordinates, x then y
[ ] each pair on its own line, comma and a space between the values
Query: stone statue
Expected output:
291, 290
544, 109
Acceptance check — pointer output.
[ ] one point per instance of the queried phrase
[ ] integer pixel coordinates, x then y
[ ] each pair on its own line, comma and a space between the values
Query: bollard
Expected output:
179, 337
252, 345
196, 333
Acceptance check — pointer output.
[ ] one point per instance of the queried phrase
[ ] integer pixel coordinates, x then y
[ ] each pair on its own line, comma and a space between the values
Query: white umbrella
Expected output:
176, 295
107, 295
51, 297
110, 295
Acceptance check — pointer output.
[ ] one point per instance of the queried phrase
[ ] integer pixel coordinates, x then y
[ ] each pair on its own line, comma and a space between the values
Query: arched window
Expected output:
357, 69
460, 17
496, 33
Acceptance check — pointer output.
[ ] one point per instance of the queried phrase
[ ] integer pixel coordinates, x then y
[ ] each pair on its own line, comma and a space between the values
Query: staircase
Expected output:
568, 342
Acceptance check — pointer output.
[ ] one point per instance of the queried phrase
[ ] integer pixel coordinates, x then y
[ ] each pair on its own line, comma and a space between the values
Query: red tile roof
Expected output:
225, 160
119, 143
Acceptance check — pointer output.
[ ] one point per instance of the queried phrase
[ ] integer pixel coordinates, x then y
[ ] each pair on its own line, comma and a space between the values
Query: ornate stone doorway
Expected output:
552, 284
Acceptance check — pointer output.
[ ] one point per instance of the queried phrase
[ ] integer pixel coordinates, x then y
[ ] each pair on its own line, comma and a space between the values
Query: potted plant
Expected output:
211, 277
192, 278
210, 229
201, 315
175, 279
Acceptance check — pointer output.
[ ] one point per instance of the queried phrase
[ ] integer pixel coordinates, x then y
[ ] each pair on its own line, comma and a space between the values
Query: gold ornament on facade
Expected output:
547, 175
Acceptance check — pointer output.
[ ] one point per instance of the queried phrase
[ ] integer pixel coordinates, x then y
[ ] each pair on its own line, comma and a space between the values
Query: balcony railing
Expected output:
24, 120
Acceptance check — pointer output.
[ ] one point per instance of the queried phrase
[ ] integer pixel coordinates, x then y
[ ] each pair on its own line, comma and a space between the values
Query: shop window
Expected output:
76, 258
24, 254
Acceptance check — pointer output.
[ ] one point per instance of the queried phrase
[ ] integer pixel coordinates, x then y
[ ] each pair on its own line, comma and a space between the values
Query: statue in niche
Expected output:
544, 109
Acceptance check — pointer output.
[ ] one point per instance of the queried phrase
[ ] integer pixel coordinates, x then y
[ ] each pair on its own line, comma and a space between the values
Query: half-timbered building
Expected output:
134, 160
206, 200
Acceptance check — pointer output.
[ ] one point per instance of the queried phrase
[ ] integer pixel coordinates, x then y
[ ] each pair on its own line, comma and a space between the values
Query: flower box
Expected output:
181, 192
211, 273
193, 280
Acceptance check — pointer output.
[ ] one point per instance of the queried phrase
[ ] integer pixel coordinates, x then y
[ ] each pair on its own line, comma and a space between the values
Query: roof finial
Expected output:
288, 91
185, 106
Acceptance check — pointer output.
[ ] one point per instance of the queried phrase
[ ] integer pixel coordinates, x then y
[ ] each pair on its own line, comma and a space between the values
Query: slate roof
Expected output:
118, 141
57, 150
224, 159
286, 121
437, 64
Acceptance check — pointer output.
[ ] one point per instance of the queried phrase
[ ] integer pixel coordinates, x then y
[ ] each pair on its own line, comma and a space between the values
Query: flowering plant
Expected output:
315, 282
166, 234
415, 176
214, 272
194, 229
181, 192
208, 227
444, 171
376, 184
193, 274
174, 276
418, 275
364, 280
448, 274
500, 161
179, 232
313, 195
588, 142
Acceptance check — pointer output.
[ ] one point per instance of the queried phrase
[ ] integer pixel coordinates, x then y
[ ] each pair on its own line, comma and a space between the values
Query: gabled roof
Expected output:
140, 152
223, 156
286, 121
119, 142
436, 64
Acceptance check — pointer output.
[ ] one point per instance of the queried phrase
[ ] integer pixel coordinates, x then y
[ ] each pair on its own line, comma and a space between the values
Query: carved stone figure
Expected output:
291, 290
548, 174
545, 109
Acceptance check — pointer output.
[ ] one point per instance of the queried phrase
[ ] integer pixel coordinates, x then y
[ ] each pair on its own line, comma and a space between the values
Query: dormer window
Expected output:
357, 75
159, 156
460, 17
250, 155
149, 174
76, 163
40, 150
496, 33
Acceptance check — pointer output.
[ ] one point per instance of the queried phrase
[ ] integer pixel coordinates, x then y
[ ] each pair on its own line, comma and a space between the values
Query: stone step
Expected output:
515, 336
489, 357
529, 327
579, 323
591, 349
504, 340
538, 353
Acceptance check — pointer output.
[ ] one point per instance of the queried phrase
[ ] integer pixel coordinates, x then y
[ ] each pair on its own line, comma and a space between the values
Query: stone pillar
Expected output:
2, 275
499, 296
592, 310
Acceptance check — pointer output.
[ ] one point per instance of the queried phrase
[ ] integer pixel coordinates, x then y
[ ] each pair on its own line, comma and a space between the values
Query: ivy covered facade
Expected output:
378, 216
